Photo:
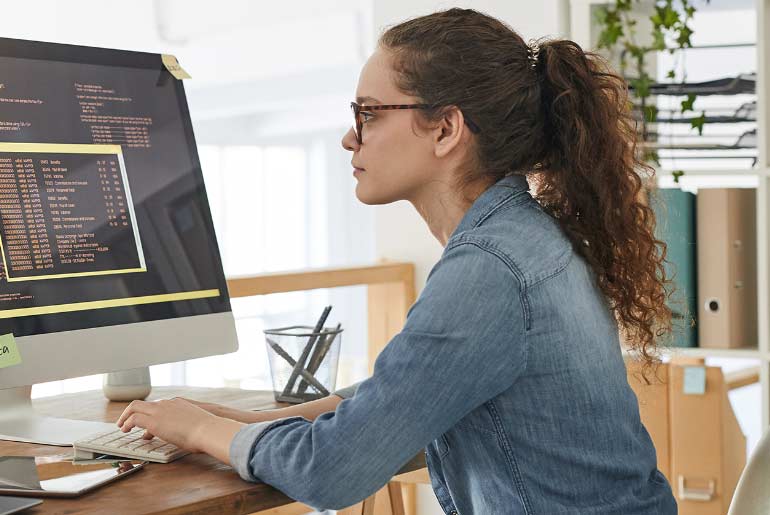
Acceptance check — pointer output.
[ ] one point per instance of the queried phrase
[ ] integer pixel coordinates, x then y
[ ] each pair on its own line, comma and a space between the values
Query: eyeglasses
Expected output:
360, 112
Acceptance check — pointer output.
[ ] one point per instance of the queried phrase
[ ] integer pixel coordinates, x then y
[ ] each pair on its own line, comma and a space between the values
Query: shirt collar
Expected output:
490, 200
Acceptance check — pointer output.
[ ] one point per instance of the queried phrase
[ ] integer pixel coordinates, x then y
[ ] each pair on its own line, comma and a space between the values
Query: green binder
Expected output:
675, 215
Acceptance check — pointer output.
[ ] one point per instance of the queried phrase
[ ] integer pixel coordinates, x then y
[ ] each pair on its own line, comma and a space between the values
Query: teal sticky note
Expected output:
9, 353
694, 380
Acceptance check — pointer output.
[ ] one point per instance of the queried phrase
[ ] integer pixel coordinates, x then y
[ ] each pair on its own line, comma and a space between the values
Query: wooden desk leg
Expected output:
368, 508
296, 508
396, 498
410, 498
356, 509
381, 503
365, 507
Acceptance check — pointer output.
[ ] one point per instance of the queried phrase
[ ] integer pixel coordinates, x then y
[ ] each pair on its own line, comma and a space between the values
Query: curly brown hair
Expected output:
563, 120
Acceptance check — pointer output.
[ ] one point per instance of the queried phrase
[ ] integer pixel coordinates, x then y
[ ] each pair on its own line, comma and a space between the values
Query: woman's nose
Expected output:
349, 141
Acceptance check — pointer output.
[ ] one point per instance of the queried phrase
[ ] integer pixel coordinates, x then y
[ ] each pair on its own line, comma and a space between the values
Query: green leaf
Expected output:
688, 103
650, 113
658, 40
670, 17
610, 35
641, 86
636, 52
671, 74
665, 16
601, 15
697, 123
613, 17
683, 39
651, 156
677, 174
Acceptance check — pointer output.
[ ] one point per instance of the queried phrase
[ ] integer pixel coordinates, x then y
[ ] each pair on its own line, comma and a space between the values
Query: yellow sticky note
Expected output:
172, 65
9, 353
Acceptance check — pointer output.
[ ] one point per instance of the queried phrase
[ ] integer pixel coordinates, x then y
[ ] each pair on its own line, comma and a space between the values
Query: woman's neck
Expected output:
442, 207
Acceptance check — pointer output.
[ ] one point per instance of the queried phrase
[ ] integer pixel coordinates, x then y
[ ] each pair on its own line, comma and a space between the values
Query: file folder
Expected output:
727, 268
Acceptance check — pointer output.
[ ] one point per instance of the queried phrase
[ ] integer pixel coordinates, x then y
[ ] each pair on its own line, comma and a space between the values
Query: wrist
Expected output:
262, 416
215, 436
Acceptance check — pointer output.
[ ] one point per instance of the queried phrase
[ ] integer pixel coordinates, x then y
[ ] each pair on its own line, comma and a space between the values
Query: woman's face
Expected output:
396, 159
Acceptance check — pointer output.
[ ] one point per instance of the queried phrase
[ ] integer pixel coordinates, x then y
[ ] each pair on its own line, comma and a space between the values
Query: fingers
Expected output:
147, 436
147, 408
136, 420
200, 404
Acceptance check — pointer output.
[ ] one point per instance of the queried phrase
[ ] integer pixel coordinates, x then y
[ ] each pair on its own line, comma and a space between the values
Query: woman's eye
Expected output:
366, 116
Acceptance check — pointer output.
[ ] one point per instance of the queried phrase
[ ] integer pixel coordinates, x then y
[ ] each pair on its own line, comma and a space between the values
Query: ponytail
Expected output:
591, 183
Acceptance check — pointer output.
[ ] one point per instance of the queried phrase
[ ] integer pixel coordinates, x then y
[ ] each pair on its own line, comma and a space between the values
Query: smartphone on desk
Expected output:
59, 476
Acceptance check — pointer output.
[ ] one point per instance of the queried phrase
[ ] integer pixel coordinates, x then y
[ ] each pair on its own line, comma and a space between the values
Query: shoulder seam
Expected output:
559, 270
506, 200
508, 262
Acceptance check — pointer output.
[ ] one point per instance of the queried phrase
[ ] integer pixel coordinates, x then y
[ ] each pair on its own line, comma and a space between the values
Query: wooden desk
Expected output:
195, 484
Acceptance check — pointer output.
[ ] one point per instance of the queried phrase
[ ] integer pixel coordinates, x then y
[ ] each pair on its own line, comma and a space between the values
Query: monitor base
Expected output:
19, 422
127, 385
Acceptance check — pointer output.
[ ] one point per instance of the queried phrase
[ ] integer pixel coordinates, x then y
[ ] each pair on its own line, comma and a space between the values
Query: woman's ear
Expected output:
449, 132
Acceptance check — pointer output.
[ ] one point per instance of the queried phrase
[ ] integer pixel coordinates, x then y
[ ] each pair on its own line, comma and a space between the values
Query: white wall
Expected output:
400, 233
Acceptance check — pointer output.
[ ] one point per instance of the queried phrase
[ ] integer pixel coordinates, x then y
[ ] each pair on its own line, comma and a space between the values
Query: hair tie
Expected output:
533, 52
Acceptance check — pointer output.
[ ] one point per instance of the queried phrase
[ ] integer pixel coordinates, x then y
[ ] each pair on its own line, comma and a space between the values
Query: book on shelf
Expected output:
675, 216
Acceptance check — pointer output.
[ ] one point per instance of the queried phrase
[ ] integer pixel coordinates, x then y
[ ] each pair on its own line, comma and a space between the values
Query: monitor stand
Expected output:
19, 422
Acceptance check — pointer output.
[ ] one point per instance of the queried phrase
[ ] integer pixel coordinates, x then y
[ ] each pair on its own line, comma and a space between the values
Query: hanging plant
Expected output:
670, 32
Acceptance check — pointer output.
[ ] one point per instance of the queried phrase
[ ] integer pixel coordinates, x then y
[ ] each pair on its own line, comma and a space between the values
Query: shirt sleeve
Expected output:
463, 343
348, 391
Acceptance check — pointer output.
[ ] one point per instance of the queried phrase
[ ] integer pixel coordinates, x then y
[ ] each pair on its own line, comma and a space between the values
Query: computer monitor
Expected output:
109, 257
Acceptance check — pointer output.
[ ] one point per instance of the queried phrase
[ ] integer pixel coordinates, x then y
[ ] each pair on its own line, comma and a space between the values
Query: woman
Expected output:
508, 371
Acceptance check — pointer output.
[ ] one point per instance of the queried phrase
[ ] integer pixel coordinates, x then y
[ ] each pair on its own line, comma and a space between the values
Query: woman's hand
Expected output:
175, 421
213, 408
245, 416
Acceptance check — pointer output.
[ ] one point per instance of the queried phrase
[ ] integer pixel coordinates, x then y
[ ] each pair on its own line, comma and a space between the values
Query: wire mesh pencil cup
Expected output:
303, 363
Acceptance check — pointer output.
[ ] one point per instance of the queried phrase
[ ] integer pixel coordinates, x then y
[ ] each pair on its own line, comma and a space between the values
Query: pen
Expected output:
304, 373
303, 357
324, 344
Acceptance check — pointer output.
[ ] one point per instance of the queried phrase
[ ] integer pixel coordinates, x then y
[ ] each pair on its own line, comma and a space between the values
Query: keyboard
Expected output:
127, 445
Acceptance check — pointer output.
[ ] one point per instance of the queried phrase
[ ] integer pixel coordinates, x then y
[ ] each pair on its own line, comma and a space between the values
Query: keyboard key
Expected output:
166, 449
130, 444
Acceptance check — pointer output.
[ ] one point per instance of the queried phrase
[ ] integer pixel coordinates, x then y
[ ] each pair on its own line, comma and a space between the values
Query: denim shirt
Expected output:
508, 373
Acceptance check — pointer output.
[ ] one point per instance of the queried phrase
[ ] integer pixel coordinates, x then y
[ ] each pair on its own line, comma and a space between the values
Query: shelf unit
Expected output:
584, 31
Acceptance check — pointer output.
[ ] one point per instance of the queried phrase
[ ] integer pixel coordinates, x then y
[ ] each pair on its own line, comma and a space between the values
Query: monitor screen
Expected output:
104, 218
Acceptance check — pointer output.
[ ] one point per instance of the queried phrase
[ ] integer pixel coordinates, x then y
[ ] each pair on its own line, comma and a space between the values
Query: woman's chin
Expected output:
369, 197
